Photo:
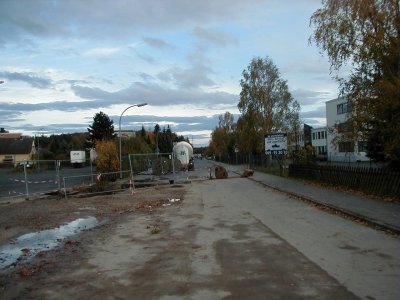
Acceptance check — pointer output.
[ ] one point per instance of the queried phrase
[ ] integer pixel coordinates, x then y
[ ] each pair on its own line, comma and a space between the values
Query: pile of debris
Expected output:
150, 205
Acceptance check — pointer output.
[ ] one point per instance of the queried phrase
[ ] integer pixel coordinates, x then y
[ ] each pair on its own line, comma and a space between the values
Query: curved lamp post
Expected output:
120, 148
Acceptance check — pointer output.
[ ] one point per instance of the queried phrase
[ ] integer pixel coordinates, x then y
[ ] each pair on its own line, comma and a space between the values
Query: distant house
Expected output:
15, 148
126, 134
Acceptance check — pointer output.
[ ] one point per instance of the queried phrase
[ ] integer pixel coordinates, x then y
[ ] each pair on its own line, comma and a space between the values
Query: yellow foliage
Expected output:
107, 156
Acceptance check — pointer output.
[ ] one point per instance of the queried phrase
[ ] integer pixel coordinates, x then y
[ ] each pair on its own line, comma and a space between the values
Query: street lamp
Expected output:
120, 148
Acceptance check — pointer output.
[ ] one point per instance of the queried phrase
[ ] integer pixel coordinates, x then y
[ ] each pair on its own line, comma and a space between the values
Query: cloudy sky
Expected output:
62, 61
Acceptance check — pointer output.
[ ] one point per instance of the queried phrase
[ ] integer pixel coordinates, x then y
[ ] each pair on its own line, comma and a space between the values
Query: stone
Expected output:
220, 172
247, 173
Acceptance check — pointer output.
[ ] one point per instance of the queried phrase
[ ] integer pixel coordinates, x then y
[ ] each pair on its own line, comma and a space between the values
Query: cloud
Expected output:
8, 116
181, 123
319, 112
193, 76
28, 77
214, 37
96, 98
81, 18
315, 117
308, 97
156, 43
147, 58
8, 110
197, 127
102, 51
154, 94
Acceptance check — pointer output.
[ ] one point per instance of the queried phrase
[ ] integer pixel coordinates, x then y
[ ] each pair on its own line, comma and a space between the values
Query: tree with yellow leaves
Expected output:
365, 36
107, 157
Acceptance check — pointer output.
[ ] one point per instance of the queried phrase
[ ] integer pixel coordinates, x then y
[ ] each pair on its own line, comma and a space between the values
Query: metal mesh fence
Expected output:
34, 178
94, 184
152, 164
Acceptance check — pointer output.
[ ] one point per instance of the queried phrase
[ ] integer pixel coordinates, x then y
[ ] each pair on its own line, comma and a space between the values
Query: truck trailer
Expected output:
183, 151
78, 158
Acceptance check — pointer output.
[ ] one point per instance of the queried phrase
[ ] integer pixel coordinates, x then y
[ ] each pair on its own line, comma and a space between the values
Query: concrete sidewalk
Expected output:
379, 213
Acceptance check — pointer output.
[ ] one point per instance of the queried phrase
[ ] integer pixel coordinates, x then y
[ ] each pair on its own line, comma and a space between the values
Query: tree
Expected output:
136, 145
266, 104
143, 134
365, 34
101, 129
165, 139
107, 158
223, 137
219, 141
156, 132
293, 122
226, 121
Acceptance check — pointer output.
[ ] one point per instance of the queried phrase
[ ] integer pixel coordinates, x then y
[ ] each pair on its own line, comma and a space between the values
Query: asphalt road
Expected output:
12, 182
234, 239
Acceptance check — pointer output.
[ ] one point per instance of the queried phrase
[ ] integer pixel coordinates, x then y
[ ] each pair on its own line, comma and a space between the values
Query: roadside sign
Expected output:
275, 143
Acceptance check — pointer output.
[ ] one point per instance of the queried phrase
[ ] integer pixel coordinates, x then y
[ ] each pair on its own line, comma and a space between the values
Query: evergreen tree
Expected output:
101, 129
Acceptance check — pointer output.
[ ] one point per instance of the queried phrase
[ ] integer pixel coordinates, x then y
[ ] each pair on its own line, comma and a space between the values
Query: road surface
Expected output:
230, 239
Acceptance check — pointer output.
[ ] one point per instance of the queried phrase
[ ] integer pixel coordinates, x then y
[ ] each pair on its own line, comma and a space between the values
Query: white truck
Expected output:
183, 151
78, 158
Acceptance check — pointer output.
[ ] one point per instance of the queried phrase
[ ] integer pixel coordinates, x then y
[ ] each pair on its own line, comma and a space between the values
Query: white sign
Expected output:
275, 143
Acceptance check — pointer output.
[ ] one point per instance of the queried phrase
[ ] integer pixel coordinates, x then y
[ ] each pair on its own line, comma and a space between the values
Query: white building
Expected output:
339, 149
319, 142
126, 134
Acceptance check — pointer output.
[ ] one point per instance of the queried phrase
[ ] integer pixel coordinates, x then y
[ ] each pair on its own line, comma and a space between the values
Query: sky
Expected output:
63, 61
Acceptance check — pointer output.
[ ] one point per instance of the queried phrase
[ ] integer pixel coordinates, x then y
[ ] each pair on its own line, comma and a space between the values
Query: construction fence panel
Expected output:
35, 178
94, 184
152, 164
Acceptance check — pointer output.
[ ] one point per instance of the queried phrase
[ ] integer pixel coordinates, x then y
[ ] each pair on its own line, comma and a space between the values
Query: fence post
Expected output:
26, 181
91, 170
130, 165
58, 174
173, 165
65, 190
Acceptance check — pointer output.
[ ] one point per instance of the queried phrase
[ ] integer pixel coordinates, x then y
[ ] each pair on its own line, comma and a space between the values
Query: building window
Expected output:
320, 150
346, 147
313, 135
343, 108
362, 146
8, 158
343, 127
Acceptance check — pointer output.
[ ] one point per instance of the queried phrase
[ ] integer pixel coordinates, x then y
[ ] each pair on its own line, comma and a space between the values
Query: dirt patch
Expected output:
21, 218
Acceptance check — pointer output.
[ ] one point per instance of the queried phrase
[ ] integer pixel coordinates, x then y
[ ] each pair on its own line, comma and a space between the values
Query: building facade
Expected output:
340, 149
319, 142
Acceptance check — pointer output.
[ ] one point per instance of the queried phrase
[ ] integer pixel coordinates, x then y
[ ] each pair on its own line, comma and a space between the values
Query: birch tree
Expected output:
265, 104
